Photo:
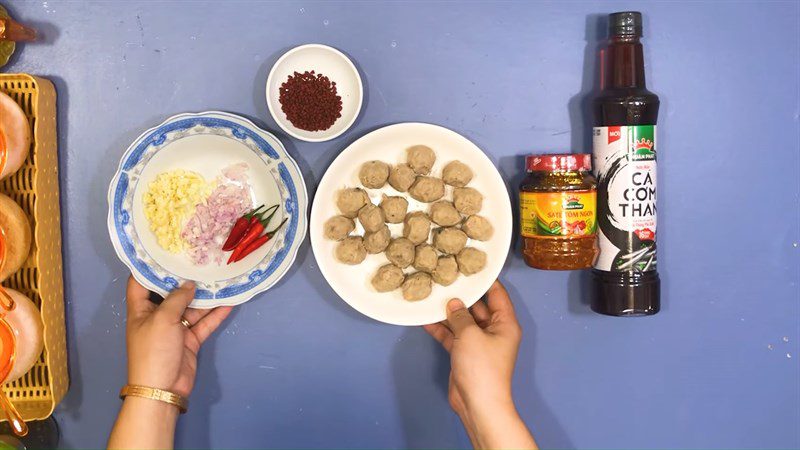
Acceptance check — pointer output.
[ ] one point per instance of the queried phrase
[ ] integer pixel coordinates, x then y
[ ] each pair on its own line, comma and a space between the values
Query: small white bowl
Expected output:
329, 62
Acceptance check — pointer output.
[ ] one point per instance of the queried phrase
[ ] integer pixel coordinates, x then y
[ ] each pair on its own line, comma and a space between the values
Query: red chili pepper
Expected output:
257, 226
239, 229
259, 242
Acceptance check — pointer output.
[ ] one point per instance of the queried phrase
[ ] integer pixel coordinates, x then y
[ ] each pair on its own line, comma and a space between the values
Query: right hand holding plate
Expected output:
483, 342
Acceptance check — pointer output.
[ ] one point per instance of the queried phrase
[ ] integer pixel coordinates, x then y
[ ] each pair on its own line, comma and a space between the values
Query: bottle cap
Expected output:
553, 162
628, 23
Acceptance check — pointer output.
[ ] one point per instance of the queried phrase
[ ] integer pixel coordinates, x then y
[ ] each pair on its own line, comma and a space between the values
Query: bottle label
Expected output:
625, 165
558, 214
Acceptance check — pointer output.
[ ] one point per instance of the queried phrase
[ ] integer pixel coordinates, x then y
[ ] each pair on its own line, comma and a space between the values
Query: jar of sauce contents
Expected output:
558, 212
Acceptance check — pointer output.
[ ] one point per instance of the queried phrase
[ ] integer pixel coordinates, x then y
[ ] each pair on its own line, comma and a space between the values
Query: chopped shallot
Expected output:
206, 230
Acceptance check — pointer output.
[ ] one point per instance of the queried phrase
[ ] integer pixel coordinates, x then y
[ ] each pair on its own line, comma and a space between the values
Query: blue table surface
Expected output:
296, 367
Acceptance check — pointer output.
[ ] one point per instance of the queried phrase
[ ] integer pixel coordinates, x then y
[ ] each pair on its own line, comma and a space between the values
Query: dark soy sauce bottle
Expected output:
625, 279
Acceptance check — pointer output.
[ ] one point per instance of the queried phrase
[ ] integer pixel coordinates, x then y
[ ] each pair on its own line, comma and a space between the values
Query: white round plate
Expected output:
206, 143
389, 144
329, 62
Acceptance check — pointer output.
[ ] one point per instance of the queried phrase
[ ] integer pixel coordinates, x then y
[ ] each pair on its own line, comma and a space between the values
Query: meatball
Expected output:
377, 241
471, 261
457, 174
421, 159
401, 177
338, 227
467, 201
443, 213
417, 286
373, 174
417, 227
400, 252
351, 250
427, 189
446, 270
351, 200
478, 227
394, 208
388, 278
371, 218
449, 240
425, 258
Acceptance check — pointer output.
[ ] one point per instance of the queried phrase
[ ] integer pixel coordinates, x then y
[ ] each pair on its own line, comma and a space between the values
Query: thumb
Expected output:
459, 317
138, 299
177, 301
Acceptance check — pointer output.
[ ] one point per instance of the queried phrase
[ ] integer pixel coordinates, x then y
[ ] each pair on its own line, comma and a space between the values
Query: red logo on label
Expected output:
614, 134
646, 234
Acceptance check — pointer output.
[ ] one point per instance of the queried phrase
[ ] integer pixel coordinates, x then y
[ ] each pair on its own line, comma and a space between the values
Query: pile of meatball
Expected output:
438, 259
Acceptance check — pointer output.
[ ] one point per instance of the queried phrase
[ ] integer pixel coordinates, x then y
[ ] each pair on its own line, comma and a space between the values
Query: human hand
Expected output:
162, 352
483, 342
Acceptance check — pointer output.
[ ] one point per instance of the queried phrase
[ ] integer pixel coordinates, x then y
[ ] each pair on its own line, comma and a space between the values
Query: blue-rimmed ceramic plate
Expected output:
205, 143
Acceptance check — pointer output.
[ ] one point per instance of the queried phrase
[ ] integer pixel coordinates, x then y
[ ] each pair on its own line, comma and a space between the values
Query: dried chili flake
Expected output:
310, 101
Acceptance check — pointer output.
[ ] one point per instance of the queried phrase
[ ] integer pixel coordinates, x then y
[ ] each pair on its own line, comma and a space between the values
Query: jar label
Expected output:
558, 214
625, 165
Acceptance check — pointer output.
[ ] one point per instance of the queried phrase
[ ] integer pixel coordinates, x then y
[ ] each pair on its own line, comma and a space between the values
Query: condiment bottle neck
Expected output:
623, 62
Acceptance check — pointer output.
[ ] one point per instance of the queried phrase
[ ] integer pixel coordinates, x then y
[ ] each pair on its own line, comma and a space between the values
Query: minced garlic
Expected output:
169, 202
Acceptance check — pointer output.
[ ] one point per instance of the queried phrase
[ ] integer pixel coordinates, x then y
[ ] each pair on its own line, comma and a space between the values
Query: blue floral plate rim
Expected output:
288, 176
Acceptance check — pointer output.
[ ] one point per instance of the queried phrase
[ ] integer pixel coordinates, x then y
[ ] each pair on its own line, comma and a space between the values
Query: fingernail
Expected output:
455, 304
188, 285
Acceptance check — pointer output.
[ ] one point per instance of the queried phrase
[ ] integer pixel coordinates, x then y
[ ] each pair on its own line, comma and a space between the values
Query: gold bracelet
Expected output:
160, 395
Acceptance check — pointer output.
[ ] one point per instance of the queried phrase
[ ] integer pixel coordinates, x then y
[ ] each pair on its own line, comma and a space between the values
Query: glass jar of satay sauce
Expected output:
558, 212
